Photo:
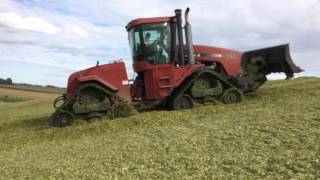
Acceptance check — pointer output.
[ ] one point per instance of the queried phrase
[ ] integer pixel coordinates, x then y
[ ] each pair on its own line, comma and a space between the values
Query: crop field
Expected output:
19, 94
34, 88
273, 134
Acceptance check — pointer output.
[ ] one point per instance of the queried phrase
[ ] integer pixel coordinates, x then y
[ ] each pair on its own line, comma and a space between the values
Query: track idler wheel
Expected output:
231, 96
61, 119
182, 102
120, 109
58, 102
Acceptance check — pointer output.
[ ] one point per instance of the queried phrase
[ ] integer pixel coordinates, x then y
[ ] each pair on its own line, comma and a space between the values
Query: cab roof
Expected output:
139, 21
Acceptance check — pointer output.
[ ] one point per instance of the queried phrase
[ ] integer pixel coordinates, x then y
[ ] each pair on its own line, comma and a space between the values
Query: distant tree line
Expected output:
36, 85
6, 81
51, 86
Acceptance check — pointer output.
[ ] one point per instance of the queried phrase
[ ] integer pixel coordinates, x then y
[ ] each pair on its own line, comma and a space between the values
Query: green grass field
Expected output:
273, 134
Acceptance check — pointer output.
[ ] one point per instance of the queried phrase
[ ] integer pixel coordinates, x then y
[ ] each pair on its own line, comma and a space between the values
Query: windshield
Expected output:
150, 42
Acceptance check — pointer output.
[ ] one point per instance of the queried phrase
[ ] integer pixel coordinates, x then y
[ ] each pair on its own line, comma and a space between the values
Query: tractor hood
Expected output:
111, 76
276, 59
229, 60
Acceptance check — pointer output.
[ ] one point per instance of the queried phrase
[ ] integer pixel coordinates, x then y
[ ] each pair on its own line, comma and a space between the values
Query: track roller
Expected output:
61, 119
120, 109
182, 102
231, 96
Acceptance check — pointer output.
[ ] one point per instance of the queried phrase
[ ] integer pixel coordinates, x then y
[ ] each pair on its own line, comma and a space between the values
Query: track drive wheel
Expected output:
61, 119
182, 102
231, 96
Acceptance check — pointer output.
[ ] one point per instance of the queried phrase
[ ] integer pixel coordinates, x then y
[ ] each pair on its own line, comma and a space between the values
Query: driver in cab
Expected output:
154, 50
150, 45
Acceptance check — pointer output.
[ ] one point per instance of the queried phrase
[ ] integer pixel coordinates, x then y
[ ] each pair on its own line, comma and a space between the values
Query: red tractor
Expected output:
169, 73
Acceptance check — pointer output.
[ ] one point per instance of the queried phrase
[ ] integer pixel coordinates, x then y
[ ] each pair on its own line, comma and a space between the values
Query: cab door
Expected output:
158, 81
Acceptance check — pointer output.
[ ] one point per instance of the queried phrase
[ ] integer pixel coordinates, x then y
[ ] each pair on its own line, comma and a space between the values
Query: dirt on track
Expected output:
26, 94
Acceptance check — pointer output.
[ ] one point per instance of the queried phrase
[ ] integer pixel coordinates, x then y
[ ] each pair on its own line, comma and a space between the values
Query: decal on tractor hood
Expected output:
125, 82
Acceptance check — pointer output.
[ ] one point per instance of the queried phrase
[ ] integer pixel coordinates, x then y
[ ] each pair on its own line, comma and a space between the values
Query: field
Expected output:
272, 134
34, 88
11, 95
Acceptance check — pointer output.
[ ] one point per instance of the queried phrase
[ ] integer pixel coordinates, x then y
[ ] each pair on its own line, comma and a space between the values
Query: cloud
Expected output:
75, 34
17, 22
55, 75
74, 31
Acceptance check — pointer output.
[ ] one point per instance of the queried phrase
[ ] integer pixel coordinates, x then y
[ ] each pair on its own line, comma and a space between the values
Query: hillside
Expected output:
272, 134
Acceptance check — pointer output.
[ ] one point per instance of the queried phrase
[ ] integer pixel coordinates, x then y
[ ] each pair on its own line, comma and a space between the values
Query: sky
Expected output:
43, 41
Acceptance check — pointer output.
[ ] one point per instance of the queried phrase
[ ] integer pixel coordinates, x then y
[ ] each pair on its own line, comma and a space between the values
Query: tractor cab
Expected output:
157, 49
152, 48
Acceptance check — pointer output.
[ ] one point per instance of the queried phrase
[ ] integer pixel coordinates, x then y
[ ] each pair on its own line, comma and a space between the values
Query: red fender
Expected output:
97, 79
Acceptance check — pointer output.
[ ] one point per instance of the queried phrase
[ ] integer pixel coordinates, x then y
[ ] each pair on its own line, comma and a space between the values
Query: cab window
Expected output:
150, 42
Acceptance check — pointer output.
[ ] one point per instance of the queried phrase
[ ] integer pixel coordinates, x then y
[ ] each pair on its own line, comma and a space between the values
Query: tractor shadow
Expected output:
36, 123
145, 109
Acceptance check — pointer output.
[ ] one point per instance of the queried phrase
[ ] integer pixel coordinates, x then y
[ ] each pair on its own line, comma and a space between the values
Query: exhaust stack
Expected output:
180, 36
188, 35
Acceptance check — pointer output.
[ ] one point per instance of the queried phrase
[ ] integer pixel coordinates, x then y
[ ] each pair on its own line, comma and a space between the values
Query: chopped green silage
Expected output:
273, 134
